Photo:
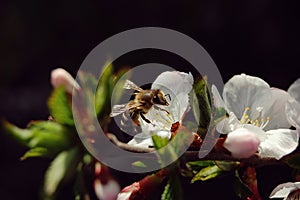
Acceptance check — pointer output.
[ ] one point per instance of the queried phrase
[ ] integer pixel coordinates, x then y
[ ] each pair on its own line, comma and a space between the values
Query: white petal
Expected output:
124, 196
294, 90
179, 106
178, 86
144, 139
228, 124
243, 91
276, 109
164, 134
217, 99
292, 110
141, 140
284, 189
279, 143
176, 81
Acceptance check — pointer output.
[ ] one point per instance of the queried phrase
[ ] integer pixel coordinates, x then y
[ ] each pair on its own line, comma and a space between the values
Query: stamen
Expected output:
245, 116
256, 123
259, 121
165, 120
264, 124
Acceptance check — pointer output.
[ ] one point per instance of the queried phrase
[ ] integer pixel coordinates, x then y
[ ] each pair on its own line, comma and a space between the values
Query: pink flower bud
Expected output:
106, 188
108, 191
242, 143
62, 77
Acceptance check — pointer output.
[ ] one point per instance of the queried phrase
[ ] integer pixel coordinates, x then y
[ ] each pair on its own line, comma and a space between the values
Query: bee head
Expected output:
159, 98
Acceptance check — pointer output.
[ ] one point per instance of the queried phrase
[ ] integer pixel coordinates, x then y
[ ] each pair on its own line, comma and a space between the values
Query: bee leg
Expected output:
158, 108
145, 119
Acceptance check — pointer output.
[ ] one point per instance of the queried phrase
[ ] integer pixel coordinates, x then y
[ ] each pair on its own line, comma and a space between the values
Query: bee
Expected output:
143, 101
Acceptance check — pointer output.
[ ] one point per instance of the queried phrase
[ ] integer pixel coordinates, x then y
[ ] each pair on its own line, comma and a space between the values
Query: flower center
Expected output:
259, 121
162, 119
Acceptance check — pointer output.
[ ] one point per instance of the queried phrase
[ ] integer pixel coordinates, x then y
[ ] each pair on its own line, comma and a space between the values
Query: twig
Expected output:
194, 155
128, 147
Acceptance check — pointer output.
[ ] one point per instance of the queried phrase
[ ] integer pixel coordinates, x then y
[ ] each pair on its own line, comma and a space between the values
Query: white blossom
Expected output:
294, 90
176, 86
287, 191
253, 105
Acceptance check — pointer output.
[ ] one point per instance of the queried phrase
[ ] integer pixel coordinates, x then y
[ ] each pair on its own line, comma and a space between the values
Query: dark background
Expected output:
259, 38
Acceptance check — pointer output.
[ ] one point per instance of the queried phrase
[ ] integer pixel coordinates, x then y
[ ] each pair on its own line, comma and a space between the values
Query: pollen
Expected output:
259, 121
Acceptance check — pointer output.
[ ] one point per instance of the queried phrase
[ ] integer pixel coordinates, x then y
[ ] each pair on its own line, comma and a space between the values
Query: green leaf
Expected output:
59, 106
87, 159
21, 135
36, 152
167, 193
97, 91
159, 142
208, 169
139, 164
197, 165
52, 136
173, 189
118, 81
219, 114
182, 140
170, 151
293, 160
227, 165
207, 173
80, 186
62, 169
201, 104
104, 89
87, 98
240, 188
45, 138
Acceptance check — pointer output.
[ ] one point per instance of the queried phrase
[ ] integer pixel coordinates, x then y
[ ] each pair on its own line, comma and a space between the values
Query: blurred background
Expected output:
259, 38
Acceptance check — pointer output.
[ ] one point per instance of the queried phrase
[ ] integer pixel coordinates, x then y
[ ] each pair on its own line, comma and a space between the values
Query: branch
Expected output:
128, 147
194, 155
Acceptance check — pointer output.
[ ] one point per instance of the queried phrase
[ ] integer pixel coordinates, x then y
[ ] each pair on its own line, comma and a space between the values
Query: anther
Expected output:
245, 116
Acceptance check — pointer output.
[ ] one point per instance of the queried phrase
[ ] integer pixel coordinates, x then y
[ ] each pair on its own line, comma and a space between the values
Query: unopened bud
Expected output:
242, 143
60, 77
105, 186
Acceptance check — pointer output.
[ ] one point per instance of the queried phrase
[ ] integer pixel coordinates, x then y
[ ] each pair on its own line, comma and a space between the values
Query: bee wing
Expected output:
130, 85
119, 109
